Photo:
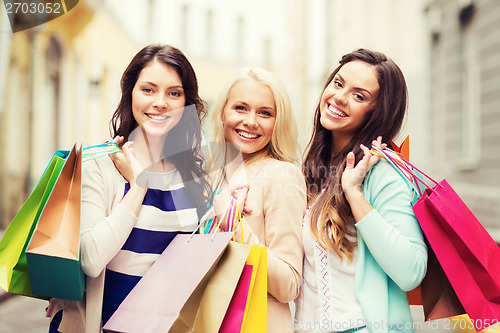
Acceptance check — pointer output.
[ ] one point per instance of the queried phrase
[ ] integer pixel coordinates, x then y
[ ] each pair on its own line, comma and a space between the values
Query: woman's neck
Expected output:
254, 157
339, 143
148, 152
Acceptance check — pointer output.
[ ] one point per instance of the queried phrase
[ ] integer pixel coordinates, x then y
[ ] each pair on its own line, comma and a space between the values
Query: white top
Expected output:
327, 279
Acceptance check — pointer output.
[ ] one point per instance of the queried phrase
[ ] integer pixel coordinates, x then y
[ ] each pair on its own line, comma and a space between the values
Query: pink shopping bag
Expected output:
236, 310
466, 252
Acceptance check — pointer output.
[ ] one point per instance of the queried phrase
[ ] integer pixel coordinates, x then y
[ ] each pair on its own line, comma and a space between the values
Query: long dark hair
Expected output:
184, 146
331, 214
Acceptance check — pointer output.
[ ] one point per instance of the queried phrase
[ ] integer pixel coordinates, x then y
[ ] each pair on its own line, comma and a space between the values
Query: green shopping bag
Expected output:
14, 276
54, 251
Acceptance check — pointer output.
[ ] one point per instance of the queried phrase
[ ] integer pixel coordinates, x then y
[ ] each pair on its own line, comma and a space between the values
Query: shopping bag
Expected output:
435, 293
54, 250
439, 300
157, 300
255, 317
255, 311
233, 319
415, 295
464, 249
206, 313
14, 277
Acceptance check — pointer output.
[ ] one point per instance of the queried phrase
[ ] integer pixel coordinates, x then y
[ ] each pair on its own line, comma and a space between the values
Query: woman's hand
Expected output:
378, 143
126, 163
223, 199
353, 176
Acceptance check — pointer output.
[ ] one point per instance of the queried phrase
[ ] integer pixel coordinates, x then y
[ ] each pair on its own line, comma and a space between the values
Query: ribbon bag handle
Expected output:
102, 149
234, 220
405, 168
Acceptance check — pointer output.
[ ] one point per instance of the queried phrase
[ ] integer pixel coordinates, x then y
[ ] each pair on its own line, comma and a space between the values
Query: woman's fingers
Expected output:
350, 160
378, 143
118, 139
241, 196
370, 160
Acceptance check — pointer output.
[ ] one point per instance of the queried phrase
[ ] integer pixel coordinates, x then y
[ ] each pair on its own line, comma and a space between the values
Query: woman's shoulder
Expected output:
273, 171
102, 165
101, 162
276, 168
383, 174
279, 180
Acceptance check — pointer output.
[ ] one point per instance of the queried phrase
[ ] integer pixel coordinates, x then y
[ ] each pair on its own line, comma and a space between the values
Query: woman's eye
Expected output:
175, 94
337, 84
359, 97
239, 108
266, 113
147, 90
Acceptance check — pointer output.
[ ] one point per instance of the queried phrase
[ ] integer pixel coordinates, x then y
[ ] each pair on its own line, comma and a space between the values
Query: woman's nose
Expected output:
160, 102
250, 120
340, 97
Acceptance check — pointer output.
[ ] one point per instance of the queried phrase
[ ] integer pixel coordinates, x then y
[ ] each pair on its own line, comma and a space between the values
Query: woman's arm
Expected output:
283, 191
284, 208
106, 221
390, 229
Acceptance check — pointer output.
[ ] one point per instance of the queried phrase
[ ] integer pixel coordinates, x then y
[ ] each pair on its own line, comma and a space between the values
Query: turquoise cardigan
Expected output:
392, 253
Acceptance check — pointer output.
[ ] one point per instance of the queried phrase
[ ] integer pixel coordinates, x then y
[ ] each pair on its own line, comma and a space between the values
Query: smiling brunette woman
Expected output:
363, 245
135, 202
253, 113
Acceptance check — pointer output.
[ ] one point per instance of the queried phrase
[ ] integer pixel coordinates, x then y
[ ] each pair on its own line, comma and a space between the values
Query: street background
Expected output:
59, 82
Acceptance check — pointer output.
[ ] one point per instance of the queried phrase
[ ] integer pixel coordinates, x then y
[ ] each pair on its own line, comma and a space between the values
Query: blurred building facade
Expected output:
463, 118
59, 82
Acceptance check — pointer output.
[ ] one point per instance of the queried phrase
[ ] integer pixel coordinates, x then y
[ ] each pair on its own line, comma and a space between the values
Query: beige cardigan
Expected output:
277, 196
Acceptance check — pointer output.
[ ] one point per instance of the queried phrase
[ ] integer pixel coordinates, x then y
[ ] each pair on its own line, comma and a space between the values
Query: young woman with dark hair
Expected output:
135, 202
363, 245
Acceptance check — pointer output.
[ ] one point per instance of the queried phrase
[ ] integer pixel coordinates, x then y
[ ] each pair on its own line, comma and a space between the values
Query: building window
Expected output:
470, 117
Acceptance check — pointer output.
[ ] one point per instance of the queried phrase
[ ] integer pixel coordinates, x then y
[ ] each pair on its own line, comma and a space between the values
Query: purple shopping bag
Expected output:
157, 300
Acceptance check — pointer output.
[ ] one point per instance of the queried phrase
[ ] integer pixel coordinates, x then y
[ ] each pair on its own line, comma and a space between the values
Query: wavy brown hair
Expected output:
184, 140
330, 214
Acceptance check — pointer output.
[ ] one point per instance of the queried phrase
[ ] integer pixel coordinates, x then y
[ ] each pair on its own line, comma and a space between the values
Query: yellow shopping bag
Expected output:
255, 317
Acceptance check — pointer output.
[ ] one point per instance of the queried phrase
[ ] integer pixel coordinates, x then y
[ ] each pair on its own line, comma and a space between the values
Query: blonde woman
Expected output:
253, 113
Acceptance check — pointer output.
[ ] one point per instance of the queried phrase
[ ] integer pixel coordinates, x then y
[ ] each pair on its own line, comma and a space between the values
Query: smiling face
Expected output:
158, 98
348, 99
249, 116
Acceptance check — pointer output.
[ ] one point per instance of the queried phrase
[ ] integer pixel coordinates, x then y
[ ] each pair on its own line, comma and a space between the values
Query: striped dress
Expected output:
166, 211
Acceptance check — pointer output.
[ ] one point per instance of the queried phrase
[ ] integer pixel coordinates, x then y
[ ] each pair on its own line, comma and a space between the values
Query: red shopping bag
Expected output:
466, 252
